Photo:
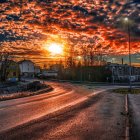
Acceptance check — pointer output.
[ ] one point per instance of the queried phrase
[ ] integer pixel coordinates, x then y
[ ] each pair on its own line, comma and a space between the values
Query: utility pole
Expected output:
129, 42
129, 47
20, 1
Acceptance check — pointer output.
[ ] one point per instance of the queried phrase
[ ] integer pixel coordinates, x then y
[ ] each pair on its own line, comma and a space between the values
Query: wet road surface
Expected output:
69, 112
134, 105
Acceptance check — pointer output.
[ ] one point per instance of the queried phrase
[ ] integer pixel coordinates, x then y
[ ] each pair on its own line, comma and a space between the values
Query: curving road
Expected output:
71, 112
18, 111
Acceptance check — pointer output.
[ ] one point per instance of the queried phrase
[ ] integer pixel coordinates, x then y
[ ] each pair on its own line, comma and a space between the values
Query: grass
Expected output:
127, 91
24, 94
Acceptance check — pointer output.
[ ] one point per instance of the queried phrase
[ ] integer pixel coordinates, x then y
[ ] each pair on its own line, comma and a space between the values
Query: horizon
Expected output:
28, 29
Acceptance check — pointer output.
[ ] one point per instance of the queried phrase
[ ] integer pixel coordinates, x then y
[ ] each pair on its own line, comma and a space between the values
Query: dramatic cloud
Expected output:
25, 25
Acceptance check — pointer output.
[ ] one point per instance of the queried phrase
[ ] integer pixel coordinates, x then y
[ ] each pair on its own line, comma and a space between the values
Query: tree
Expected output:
4, 65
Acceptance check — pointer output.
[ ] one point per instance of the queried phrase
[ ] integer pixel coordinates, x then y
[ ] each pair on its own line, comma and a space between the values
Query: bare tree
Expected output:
85, 51
4, 65
70, 63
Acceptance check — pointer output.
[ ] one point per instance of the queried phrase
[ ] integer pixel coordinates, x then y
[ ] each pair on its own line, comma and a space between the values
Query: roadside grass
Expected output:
127, 91
24, 94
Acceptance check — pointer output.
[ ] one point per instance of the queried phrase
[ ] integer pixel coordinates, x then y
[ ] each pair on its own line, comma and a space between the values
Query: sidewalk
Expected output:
134, 106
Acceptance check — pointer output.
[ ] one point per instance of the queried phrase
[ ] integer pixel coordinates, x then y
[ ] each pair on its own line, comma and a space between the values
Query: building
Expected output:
37, 70
121, 72
49, 73
11, 72
27, 68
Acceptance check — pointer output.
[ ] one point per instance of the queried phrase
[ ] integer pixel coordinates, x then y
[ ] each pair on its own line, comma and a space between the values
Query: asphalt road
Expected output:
134, 106
69, 112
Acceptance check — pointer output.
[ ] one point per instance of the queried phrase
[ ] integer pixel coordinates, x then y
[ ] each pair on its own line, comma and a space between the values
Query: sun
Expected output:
55, 49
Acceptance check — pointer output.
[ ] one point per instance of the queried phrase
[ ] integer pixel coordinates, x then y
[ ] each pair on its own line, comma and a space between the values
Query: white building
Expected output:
121, 72
27, 68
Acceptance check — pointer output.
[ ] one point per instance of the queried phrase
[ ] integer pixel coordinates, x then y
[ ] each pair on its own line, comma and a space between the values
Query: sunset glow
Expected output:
95, 25
55, 49
57, 53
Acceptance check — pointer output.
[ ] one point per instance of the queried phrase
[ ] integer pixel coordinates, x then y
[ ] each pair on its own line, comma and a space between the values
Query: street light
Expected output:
81, 73
129, 45
79, 58
113, 78
126, 19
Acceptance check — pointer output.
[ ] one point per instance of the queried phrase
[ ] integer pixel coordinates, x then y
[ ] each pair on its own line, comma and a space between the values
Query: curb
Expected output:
127, 128
43, 90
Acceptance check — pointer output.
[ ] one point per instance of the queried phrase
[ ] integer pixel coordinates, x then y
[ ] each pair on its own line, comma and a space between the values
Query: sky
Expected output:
27, 27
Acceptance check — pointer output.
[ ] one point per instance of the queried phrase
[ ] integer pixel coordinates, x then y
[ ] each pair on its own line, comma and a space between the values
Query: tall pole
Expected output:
20, 1
113, 75
129, 45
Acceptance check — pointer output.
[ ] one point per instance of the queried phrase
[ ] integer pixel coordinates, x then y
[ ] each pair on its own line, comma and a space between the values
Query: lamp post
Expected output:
81, 73
129, 45
113, 78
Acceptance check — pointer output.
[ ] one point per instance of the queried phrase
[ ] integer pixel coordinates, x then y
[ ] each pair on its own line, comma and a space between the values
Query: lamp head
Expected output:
126, 19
